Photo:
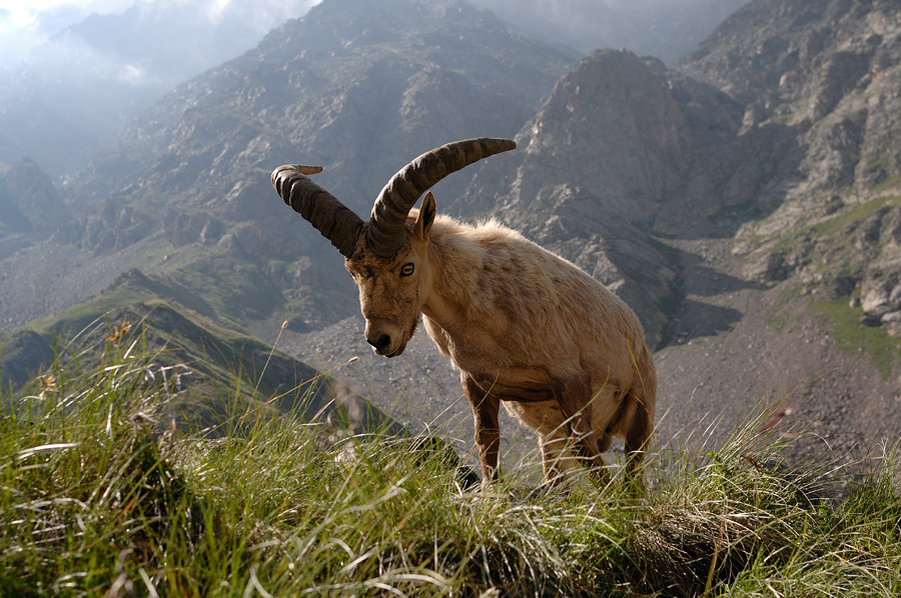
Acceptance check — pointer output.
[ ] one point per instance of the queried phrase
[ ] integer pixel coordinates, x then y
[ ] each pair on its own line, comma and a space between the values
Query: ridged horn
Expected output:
385, 232
335, 221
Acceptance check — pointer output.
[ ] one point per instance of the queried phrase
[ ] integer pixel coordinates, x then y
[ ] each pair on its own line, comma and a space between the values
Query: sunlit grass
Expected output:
101, 495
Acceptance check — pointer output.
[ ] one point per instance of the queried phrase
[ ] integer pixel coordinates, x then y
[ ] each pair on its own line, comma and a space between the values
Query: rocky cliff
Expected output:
593, 167
828, 74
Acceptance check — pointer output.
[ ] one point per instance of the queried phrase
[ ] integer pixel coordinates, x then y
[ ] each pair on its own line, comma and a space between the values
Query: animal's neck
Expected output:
455, 263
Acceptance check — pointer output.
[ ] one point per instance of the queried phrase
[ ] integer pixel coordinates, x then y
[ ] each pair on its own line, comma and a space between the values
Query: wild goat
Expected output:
524, 327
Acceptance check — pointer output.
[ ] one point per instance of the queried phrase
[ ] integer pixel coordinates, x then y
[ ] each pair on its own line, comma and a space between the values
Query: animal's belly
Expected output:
526, 385
522, 393
546, 417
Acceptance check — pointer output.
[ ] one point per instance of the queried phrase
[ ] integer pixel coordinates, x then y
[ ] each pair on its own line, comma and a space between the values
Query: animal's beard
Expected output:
410, 332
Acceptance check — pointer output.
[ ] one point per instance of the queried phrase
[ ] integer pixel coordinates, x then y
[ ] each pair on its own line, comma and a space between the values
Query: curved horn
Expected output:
385, 232
324, 211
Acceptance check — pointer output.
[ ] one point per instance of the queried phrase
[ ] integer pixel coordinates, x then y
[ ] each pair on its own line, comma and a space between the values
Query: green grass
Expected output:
99, 495
886, 184
850, 335
834, 225
844, 327
776, 317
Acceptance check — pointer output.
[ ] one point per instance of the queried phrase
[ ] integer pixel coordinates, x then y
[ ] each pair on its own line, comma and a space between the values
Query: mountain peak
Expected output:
29, 201
347, 26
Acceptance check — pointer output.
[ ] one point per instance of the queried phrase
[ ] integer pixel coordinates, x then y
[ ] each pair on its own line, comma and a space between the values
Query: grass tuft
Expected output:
100, 495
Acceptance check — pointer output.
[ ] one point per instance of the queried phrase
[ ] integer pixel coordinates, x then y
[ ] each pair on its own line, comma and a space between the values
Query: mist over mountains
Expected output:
64, 100
744, 201
74, 94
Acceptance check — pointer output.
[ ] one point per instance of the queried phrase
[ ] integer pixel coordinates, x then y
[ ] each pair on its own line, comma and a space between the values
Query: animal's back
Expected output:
536, 305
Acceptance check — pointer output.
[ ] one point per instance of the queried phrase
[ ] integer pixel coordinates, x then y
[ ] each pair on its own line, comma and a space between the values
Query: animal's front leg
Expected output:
485, 408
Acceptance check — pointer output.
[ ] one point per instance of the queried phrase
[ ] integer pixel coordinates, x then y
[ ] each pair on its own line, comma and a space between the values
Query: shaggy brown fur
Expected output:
524, 327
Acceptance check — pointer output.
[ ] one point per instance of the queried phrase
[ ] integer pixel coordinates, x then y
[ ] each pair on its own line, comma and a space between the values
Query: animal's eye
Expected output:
407, 269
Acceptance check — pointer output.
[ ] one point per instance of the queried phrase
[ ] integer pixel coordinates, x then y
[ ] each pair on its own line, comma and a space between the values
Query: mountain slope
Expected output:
807, 261
187, 191
215, 373
830, 77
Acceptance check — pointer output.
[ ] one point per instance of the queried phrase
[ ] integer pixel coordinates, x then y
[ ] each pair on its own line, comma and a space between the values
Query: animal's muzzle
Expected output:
380, 344
387, 346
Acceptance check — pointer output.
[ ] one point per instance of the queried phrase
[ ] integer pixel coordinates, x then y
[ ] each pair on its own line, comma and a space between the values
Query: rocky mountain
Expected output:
744, 202
73, 95
816, 83
597, 161
361, 92
830, 78
344, 83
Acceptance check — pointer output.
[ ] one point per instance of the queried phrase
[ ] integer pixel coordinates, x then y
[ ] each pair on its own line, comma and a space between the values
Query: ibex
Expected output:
524, 327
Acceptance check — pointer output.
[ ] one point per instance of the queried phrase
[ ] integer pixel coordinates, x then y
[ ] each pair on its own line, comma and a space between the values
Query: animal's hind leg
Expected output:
556, 456
574, 399
638, 435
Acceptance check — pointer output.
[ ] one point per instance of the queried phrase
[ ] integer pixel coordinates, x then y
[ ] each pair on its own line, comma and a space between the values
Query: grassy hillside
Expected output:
208, 367
97, 498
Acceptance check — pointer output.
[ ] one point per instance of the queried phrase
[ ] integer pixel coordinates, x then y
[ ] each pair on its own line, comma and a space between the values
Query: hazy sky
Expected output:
26, 23
24, 15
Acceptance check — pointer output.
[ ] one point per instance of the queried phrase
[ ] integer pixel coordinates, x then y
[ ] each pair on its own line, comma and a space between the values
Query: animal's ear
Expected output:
426, 216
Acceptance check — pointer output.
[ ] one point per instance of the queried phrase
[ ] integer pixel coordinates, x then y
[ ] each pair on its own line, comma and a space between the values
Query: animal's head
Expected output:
386, 256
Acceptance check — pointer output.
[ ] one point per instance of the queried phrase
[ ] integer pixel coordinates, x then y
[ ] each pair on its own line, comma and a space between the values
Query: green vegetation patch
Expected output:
844, 327
887, 184
778, 315
841, 220
850, 335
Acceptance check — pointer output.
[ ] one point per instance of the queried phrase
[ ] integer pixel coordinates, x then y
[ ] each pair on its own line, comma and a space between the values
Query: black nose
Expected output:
381, 343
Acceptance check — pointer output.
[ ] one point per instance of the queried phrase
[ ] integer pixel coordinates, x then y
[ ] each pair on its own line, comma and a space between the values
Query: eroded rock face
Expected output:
591, 170
827, 75
880, 278
880, 297
828, 70
612, 127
